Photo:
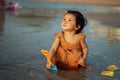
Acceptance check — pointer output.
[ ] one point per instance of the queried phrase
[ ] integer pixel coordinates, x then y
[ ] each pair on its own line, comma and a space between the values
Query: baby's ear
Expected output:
77, 27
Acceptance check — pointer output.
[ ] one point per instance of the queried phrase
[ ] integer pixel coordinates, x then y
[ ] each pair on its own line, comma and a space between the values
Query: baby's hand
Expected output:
82, 63
48, 66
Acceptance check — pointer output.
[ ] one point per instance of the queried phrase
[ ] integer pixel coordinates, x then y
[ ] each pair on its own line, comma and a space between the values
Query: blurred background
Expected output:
27, 26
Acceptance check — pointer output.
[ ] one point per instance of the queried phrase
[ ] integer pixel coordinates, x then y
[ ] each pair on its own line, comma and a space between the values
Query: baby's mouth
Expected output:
64, 25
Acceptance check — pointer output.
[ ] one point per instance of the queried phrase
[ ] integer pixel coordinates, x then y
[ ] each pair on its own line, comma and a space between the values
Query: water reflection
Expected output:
35, 12
73, 75
113, 35
110, 33
36, 17
2, 19
67, 75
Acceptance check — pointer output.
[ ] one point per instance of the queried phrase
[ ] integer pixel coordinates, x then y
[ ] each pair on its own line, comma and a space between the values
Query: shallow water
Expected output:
25, 32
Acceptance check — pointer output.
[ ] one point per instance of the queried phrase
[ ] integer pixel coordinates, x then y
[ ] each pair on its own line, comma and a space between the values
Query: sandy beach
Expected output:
23, 33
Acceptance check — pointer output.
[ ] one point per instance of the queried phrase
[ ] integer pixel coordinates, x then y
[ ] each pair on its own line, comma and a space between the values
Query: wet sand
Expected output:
29, 30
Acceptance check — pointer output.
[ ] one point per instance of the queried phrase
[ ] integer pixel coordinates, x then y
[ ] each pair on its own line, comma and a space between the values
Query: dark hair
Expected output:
80, 20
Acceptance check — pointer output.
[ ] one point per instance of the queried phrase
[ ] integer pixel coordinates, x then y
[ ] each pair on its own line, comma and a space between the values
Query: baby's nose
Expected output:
65, 22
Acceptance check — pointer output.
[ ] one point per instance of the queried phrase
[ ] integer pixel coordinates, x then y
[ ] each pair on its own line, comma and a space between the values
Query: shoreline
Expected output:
93, 2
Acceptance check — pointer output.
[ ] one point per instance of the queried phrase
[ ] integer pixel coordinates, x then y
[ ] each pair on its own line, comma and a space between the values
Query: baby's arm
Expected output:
82, 60
52, 51
85, 54
84, 47
53, 48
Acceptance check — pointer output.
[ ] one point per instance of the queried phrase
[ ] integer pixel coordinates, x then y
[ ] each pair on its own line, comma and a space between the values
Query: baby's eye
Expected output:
69, 20
64, 19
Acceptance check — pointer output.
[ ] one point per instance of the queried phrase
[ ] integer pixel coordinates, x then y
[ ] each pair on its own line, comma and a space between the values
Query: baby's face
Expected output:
69, 22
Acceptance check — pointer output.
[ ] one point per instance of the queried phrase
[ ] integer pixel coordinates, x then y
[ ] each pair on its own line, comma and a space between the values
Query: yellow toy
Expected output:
53, 67
111, 69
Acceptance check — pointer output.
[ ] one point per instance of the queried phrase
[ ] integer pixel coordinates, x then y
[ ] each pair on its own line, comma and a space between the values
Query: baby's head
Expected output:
80, 20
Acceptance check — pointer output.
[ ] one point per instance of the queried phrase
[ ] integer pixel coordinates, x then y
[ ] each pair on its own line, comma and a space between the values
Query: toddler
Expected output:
69, 49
